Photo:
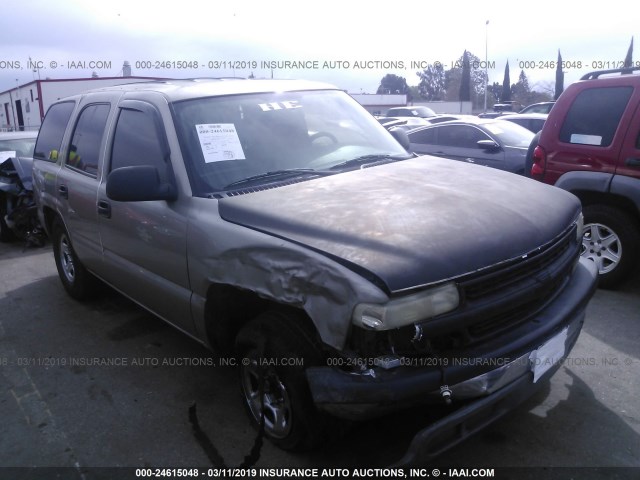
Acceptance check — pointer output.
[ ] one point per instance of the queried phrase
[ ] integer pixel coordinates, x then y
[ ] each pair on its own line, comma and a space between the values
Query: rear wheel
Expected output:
274, 350
611, 240
76, 279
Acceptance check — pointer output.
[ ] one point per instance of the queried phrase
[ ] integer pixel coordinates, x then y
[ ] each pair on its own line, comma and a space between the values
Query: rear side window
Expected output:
427, 136
594, 116
52, 131
85, 145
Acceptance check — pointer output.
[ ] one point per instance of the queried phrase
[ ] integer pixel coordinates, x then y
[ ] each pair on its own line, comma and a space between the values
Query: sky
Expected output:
348, 43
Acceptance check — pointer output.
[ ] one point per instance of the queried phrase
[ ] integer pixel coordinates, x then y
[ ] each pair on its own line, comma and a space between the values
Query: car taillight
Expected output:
539, 163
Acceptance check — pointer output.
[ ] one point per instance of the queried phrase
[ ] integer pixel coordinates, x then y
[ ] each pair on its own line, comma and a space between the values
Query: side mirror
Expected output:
401, 136
139, 184
488, 145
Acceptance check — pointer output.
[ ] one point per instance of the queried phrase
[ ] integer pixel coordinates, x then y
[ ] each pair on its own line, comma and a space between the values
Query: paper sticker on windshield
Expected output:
586, 139
219, 142
7, 154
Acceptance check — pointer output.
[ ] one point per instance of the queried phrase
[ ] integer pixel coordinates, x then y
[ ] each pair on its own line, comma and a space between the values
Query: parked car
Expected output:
413, 111
18, 219
490, 142
279, 222
530, 121
500, 109
589, 146
17, 144
542, 107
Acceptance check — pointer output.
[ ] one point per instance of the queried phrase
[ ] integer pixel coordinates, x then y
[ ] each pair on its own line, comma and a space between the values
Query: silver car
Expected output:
490, 142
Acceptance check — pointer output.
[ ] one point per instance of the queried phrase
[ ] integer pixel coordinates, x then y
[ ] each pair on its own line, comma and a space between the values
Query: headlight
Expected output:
407, 310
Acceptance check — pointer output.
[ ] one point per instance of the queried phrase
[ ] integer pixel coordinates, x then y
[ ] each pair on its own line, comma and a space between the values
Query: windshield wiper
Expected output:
289, 172
369, 160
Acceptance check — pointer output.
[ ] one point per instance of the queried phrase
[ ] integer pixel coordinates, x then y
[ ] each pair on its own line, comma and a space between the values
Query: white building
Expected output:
24, 107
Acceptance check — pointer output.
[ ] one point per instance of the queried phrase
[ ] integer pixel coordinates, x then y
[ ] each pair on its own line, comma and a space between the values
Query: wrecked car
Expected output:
279, 222
18, 213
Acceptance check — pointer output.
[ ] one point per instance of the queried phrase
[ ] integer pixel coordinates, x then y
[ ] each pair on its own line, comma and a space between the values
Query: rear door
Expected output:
77, 181
590, 134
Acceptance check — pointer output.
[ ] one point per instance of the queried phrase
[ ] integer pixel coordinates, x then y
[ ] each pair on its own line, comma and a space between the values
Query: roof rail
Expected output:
596, 74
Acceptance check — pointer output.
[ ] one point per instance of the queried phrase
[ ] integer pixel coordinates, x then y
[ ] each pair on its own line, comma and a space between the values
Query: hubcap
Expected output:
601, 245
66, 259
277, 406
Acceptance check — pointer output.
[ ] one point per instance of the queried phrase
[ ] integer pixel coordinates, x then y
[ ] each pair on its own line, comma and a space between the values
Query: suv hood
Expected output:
413, 222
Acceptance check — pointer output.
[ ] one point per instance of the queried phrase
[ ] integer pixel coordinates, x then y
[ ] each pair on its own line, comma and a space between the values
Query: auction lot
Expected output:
59, 407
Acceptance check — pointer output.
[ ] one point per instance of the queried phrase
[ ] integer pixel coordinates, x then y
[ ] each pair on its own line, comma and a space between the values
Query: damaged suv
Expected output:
279, 221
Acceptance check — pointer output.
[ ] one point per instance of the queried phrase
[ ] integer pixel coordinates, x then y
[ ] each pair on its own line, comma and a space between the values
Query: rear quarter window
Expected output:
594, 116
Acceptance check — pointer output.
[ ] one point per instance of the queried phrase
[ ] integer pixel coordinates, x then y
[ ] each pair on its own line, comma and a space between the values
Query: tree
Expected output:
628, 60
520, 91
559, 78
453, 79
506, 85
393, 84
465, 82
414, 93
493, 92
432, 82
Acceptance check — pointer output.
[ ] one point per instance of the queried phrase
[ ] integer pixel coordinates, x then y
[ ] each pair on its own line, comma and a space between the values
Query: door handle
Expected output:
104, 209
63, 191
632, 162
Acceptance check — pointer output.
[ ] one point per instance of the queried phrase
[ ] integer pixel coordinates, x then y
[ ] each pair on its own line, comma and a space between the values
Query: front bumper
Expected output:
487, 393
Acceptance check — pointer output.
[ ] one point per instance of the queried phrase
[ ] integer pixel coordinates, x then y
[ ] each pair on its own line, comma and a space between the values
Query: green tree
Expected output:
393, 84
493, 93
559, 78
506, 85
465, 81
628, 60
453, 79
432, 82
520, 91
414, 93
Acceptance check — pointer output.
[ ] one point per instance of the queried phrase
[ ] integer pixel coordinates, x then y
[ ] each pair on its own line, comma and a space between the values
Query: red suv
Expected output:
590, 146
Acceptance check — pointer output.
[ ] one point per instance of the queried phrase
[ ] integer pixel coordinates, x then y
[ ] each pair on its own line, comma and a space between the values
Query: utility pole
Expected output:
486, 62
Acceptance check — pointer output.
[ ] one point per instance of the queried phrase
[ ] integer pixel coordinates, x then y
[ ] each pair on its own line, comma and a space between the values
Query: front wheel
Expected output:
611, 240
274, 350
76, 279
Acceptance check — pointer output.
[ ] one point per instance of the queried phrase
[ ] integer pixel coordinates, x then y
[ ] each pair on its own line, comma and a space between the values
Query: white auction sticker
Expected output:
219, 142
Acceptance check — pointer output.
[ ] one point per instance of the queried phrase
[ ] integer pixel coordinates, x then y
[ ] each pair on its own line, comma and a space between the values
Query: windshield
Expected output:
510, 134
22, 146
227, 139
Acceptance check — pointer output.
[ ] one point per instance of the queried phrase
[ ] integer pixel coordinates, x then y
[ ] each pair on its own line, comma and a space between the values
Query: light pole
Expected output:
486, 62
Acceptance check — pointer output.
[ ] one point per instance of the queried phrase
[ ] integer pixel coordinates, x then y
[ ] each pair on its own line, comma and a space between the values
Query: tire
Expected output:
292, 422
612, 240
6, 235
76, 279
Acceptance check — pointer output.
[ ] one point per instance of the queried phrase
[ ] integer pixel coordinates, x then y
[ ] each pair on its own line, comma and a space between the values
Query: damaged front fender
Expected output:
276, 270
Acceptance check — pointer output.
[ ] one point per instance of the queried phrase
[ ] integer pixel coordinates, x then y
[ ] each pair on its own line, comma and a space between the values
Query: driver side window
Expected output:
137, 142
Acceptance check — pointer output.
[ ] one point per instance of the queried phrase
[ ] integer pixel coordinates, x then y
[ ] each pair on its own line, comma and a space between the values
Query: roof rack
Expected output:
596, 74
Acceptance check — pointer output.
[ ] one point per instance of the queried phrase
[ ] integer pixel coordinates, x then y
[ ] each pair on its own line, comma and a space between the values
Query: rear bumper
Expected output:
484, 397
